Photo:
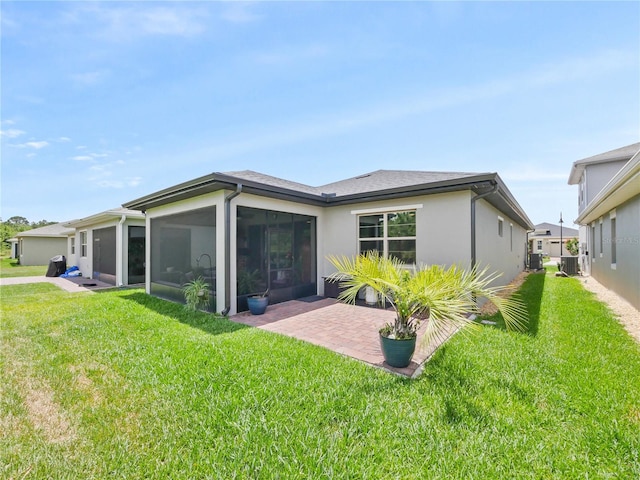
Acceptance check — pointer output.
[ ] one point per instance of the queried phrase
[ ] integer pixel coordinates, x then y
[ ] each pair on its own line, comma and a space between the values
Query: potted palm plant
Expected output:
443, 297
197, 294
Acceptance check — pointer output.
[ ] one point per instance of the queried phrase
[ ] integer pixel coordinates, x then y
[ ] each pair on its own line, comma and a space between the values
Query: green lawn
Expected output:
9, 267
122, 385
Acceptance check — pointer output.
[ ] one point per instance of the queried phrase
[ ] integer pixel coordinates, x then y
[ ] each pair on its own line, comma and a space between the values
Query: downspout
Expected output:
119, 265
473, 221
227, 248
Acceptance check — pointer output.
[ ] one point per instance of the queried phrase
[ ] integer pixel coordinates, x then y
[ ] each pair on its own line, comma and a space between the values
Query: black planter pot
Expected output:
397, 353
257, 305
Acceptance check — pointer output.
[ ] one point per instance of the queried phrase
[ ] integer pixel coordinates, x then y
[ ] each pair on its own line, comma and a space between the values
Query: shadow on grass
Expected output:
530, 292
207, 322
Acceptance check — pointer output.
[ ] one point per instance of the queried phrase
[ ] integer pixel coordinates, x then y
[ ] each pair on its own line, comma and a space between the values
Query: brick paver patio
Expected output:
347, 329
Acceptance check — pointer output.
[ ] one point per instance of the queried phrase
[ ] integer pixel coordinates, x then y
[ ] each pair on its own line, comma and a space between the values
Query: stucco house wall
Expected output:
502, 253
442, 227
104, 220
39, 250
614, 252
594, 178
623, 276
39, 245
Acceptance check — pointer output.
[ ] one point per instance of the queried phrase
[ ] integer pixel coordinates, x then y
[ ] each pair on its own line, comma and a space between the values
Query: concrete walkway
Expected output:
347, 329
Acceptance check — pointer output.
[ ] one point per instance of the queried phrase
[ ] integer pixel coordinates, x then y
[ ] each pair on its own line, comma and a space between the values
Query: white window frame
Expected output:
73, 245
500, 226
511, 236
84, 252
601, 239
613, 226
385, 238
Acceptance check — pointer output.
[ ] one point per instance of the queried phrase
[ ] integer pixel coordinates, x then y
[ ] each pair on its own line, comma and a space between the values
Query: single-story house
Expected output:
109, 246
546, 237
609, 218
247, 232
39, 245
15, 248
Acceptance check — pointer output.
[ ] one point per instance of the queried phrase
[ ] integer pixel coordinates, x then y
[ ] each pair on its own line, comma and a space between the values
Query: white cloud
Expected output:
118, 184
125, 22
36, 145
89, 78
11, 133
64, 139
89, 157
239, 12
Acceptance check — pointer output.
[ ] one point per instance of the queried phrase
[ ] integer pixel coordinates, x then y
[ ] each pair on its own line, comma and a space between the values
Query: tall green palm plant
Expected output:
443, 297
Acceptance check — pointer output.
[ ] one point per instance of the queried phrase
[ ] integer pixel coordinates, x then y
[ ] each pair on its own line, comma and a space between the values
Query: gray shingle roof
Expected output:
264, 179
377, 181
373, 186
554, 231
55, 230
381, 180
619, 154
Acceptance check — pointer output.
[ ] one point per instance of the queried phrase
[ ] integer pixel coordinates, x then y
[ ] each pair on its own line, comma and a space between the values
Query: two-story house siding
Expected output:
609, 218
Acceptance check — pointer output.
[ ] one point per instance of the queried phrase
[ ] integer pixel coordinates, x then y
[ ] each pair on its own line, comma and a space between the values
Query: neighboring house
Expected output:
39, 245
15, 247
109, 246
609, 218
546, 239
246, 232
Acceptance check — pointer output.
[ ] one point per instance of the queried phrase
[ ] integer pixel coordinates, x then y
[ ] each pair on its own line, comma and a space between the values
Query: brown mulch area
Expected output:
489, 308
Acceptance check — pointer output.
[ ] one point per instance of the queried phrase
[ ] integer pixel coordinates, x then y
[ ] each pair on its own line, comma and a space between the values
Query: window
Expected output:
500, 226
73, 245
511, 236
601, 240
539, 245
391, 234
83, 244
592, 247
613, 238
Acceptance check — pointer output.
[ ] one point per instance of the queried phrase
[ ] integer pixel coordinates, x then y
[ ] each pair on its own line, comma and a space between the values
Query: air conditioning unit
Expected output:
535, 261
569, 265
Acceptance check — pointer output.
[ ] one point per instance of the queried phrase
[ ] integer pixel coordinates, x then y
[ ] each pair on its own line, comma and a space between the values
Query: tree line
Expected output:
14, 225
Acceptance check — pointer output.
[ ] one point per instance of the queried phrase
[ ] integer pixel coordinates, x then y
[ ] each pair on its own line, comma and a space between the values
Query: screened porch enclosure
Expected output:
275, 251
183, 248
104, 255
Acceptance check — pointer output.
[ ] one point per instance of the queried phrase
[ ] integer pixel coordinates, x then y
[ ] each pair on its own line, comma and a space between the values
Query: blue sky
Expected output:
104, 102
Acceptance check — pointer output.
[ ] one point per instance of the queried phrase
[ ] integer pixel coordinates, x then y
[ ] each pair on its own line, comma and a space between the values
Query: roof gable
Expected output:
622, 153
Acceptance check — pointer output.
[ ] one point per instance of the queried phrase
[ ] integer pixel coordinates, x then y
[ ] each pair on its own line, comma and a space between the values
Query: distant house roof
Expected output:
551, 230
622, 153
623, 186
115, 213
377, 185
54, 230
